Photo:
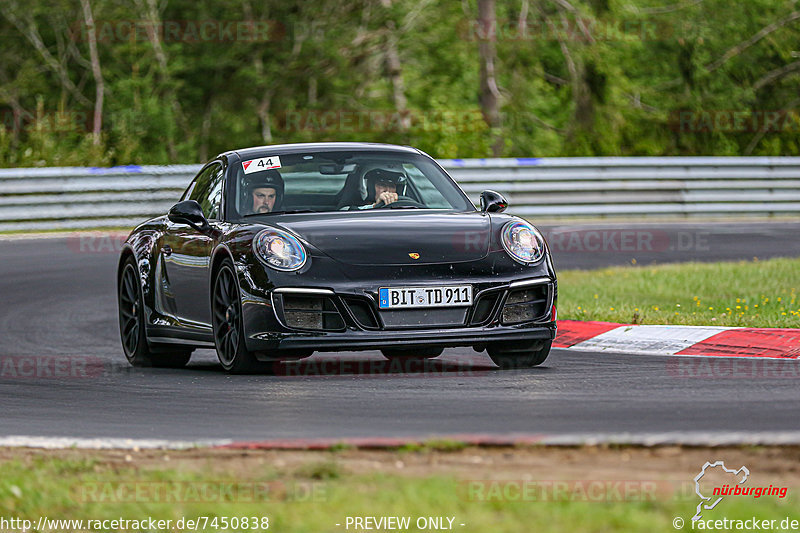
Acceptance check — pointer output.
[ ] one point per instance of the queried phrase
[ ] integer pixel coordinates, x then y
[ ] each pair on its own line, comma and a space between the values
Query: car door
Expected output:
186, 251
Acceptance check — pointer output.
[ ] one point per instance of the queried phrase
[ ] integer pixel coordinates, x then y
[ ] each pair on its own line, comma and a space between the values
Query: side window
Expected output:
207, 190
214, 196
199, 182
189, 189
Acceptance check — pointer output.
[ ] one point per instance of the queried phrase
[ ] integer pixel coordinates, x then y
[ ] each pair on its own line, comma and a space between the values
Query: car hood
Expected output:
393, 237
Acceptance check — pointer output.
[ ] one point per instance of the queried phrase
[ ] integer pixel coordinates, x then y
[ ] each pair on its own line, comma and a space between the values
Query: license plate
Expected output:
418, 297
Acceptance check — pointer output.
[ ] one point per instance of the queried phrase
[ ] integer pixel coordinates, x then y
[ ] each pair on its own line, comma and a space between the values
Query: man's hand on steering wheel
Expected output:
401, 202
385, 198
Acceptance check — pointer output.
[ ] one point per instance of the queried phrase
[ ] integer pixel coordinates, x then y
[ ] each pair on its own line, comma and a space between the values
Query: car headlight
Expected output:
279, 250
523, 242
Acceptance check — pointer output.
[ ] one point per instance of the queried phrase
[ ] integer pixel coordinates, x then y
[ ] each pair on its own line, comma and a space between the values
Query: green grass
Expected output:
441, 445
746, 293
53, 487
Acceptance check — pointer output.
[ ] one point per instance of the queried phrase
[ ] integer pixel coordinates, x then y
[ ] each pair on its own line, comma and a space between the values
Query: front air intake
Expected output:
485, 308
363, 313
311, 312
525, 305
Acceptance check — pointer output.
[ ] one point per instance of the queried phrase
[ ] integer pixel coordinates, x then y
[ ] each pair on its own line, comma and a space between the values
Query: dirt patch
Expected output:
770, 464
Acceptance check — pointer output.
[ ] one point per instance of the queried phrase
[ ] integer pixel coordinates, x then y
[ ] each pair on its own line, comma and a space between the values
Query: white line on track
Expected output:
686, 438
60, 443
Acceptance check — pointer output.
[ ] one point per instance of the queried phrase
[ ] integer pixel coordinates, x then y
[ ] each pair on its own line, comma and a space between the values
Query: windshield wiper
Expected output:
405, 207
287, 212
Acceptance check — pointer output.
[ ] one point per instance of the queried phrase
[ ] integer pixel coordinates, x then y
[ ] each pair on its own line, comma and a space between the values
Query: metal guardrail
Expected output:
77, 197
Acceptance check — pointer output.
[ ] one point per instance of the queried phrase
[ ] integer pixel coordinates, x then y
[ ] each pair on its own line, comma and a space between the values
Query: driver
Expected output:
384, 187
264, 192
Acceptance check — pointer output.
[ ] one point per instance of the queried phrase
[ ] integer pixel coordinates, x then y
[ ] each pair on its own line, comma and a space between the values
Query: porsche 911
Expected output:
276, 252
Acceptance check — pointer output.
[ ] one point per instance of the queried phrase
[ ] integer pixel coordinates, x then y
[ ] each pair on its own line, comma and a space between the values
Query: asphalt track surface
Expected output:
59, 300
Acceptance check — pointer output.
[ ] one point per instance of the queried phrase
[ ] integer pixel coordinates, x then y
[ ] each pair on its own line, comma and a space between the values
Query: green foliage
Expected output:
610, 78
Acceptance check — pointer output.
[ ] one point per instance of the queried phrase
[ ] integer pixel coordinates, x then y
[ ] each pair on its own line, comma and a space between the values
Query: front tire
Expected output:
226, 307
513, 355
138, 350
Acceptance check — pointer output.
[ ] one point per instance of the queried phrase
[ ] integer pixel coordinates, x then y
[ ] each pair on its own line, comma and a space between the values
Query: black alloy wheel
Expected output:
130, 303
226, 309
138, 351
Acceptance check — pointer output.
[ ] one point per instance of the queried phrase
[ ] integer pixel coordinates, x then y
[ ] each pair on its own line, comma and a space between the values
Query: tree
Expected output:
489, 93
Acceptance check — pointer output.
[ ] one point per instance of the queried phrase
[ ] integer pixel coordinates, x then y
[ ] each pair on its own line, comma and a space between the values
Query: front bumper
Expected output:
270, 342
269, 335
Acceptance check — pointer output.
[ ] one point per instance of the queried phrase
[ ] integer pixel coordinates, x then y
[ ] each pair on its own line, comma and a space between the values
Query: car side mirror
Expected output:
188, 212
493, 202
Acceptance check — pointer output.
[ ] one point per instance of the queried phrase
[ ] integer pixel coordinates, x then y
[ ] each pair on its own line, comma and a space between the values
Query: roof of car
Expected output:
279, 149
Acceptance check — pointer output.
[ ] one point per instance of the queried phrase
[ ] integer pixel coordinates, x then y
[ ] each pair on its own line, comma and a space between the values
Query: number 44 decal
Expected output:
265, 163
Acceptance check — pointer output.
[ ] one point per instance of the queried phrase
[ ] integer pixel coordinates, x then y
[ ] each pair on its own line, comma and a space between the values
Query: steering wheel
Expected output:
402, 201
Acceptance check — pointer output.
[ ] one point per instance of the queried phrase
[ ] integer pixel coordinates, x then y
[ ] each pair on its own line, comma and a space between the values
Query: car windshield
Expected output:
341, 181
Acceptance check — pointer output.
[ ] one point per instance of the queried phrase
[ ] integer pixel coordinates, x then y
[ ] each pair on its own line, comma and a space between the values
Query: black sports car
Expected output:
276, 252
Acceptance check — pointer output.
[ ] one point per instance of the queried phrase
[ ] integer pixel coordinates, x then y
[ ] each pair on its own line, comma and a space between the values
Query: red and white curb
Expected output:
678, 340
